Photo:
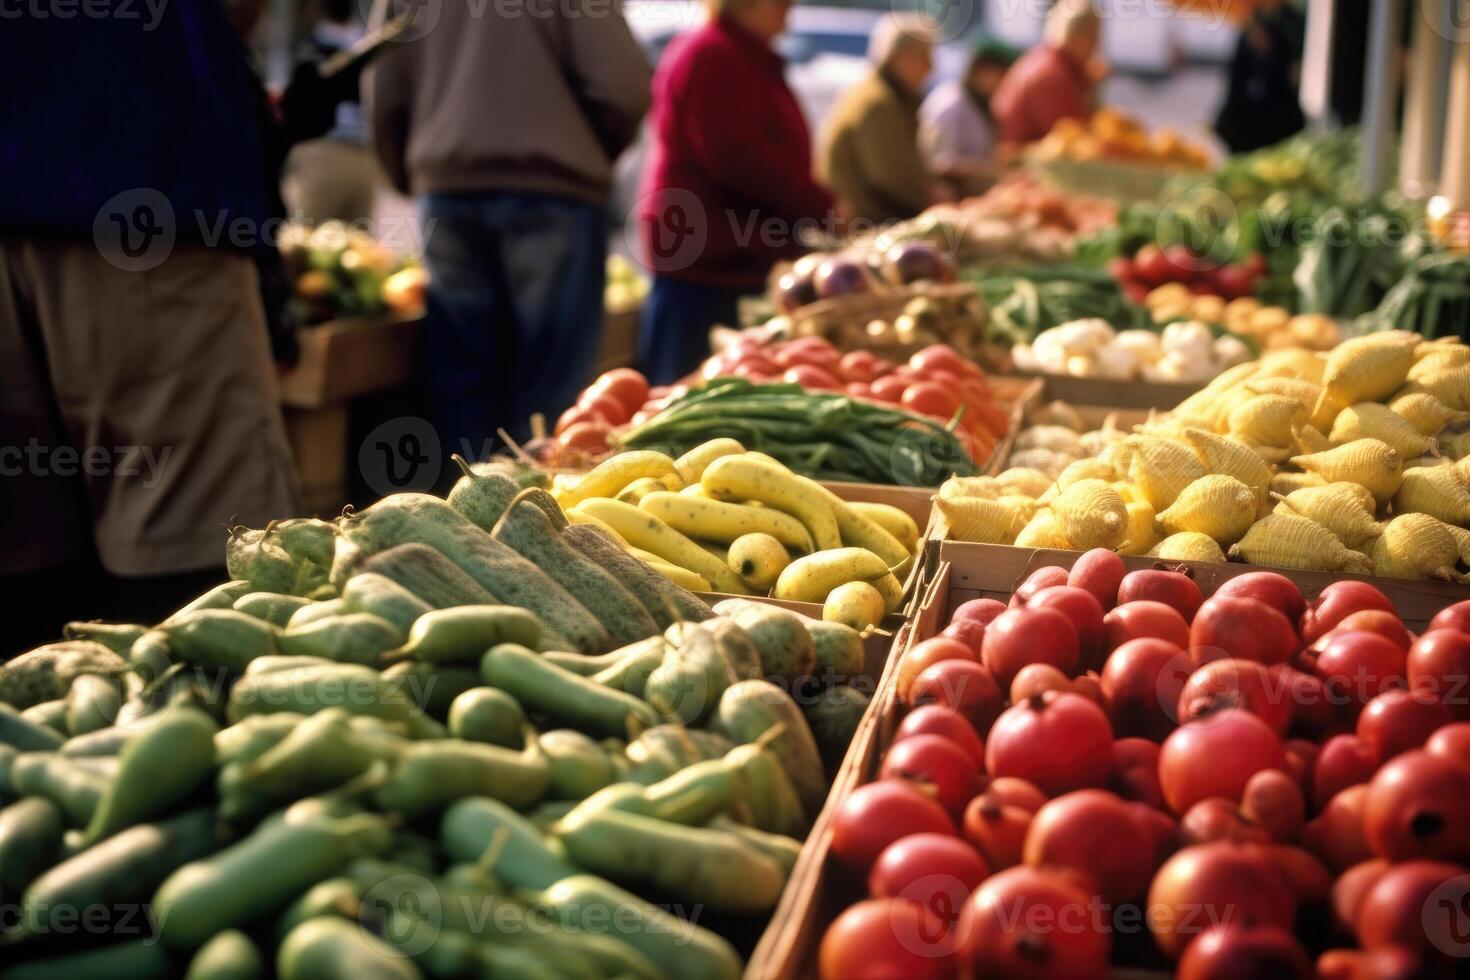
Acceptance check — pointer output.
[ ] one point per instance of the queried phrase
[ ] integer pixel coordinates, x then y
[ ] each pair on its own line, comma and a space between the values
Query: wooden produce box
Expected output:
619, 344
1111, 392
994, 570
342, 359
817, 891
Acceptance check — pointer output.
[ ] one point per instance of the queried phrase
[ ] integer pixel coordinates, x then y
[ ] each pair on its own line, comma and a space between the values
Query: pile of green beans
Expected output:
822, 435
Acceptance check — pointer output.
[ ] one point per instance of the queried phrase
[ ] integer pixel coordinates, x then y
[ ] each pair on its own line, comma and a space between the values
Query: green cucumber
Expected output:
26, 734
381, 596
46, 673
275, 608
92, 704
426, 573
666, 602
750, 709
352, 638
230, 955
487, 714
221, 638
482, 499
47, 714
313, 611
117, 637
527, 859
432, 774
568, 699
785, 647
579, 766
30, 839
464, 633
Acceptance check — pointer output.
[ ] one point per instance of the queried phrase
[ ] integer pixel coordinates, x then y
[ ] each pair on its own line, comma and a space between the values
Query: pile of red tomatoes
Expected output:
935, 381
1116, 771
1153, 266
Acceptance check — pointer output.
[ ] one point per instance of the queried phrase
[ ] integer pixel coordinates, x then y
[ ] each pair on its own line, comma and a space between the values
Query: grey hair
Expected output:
897, 33
1070, 18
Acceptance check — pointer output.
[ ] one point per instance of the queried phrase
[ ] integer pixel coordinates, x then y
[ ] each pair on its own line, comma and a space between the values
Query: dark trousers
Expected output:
673, 338
513, 312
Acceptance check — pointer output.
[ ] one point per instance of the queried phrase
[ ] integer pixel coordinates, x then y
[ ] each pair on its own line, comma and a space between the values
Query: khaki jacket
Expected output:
869, 153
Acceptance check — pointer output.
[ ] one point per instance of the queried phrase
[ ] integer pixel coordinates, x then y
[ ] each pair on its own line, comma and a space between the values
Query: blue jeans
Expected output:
513, 311
674, 336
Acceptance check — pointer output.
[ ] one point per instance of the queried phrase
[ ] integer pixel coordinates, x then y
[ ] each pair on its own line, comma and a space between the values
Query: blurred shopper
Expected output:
138, 404
335, 176
870, 145
1261, 101
1054, 80
957, 128
729, 180
506, 125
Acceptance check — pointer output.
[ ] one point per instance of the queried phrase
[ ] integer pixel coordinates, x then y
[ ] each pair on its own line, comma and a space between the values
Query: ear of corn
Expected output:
1369, 462
1370, 420
980, 519
1091, 514
1229, 458
1423, 411
1439, 491
1363, 369
1416, 546
1187, 546
1345, 509
1266, 420
1289, 541
1042, 531
1162, 468
1217, 505
1141, 534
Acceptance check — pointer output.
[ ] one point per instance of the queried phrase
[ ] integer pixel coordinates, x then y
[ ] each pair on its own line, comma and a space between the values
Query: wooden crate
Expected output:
619, 344
342, 359
817, 891
1144, 395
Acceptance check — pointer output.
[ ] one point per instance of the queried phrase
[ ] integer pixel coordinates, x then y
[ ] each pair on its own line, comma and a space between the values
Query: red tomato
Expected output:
1137, 620
963, 685
1219, 884
1349, 890
997, 829
884, 938
1029, 635
858, 365
1026, 922
754, 362
1016, 792
877, 814
1141, 684
1313, 713
1059, 742
934, 762
1244, 628
890, 388
1272, 588
812, 378
1357, 666
992, 417
1152, 267
1336, 834
858, 389
1416, 905
982, 611
575, 414
1233, 683
1456, 617
1100, 572
1419, 807
939, 871
1085, 614
1345, 760
1217, 819
929, 398
606, 405
1385, 624
924, 655
1274, 800
1439, 662
1171, 588
1451, 742
1043, 578
1135, 773
968, 631
1034, 679
944, 358
1216, 756
1336, 602
626, 385
1093, 832
1233, 281
936, 719
1251, 951
585, 436
1397, 721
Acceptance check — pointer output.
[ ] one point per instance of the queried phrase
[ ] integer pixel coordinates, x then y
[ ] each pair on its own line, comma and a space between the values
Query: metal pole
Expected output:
1380, 92
1316, 83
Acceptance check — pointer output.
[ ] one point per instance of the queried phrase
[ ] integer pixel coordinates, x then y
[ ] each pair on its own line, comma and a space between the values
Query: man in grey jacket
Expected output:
504, 118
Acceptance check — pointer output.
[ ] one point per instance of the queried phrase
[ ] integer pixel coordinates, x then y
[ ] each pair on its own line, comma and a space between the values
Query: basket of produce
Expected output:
1349, 462
1110, 155
1127, 774
431, 738
338, 271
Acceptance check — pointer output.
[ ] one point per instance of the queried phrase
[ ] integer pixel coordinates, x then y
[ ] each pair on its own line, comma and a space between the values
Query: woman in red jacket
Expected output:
729, 183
